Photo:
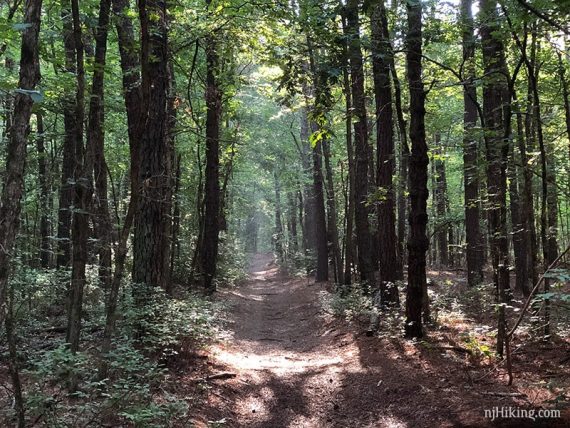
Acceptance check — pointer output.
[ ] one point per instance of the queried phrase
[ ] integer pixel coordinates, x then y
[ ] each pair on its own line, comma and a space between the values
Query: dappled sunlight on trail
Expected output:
295, 365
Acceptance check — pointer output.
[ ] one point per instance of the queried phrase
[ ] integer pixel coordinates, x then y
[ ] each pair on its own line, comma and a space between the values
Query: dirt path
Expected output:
298, 367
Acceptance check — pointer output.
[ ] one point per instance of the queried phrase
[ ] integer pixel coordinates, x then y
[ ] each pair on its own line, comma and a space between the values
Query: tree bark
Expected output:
332, 215
518, 228
82, 193
13, 183
96, 146
362, 151
45, 247
381, 51
496, 105
209, 252
349, 249
278, 234
474, 245
322, 273
150, 266
418, 242
441, 203
66, 193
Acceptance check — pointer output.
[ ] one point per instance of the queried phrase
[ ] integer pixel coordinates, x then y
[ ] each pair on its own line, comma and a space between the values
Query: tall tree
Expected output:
362, 149
385, 164
418, 242
82, 193
69, 143
209, 251
474, 249
13, 183
322, 272
96, 146
496, 111
349, 249
150, 238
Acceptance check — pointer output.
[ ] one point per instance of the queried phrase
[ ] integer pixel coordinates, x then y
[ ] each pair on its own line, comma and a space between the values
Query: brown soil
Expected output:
297, 366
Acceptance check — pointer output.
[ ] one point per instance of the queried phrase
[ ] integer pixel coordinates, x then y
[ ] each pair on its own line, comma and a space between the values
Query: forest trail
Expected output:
296, 366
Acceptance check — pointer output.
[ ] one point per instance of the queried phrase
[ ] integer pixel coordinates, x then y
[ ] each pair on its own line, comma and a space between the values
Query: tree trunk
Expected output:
13, 186
309, 235
45, 247
349, 249
63, 258
292, 223
96, 145
381, 51
175, 241
518, 228
418, 242
332, 215
82, 190
497, 124
474, 245
322, 273
278, 234
149, 267
362, 151
209, 252
565, 99
402, 204
441, 203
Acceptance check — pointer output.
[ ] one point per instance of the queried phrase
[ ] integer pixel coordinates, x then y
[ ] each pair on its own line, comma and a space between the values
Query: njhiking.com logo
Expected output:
518, 413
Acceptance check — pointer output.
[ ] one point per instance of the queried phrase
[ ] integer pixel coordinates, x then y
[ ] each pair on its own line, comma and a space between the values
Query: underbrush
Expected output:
134, 392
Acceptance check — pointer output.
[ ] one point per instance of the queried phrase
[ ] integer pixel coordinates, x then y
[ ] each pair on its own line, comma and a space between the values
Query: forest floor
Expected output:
296, 365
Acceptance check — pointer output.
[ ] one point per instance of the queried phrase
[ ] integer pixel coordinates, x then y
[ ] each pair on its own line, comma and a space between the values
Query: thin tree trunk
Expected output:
66, 193
13, 183
96, 145
474, 244
83, 190
441, 203
402, 204
349, 249
209, 252
322, 273
278, 234
495, 105
175, 247
381, 51
309, 235
518, 231
45, 247
292, 223
418, 242
332, 214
